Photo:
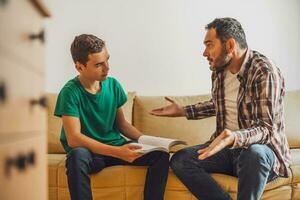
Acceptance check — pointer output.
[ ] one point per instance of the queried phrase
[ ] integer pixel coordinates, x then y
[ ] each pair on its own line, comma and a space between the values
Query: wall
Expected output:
156, 46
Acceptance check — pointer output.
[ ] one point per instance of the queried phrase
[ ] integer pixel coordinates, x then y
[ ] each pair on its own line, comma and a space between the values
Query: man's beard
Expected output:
221, 62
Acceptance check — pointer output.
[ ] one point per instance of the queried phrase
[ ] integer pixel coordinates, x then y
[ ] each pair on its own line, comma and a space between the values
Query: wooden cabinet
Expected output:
23, 167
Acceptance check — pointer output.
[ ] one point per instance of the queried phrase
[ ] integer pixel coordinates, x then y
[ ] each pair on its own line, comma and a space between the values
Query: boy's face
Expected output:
96, 68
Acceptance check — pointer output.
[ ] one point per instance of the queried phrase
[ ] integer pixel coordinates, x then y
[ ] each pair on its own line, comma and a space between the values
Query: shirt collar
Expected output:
245, 65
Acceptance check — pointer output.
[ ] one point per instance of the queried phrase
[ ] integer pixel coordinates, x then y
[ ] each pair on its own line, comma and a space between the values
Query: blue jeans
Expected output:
252, 166
81, 162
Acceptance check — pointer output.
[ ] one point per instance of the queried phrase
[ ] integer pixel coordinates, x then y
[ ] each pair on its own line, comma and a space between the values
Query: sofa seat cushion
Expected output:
134, 176
295, 165
230, 183
295, 168
108, 177
54, 161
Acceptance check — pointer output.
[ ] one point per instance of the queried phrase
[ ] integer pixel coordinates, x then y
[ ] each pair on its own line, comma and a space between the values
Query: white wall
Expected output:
156, 45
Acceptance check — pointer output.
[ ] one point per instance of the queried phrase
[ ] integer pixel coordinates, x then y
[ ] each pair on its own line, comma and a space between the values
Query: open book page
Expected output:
145, 148
152, 143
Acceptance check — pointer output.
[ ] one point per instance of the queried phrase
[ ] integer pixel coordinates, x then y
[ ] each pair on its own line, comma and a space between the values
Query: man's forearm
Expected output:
200, 110
253, 135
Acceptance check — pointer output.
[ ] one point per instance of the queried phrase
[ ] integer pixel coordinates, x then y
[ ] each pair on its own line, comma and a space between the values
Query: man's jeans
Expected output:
81, 162
252, 166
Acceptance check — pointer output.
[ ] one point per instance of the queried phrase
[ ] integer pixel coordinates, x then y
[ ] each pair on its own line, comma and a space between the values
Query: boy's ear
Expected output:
79, 66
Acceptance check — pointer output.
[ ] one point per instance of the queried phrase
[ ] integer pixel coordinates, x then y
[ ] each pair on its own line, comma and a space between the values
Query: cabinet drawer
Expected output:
19, 19
19, 80
22, 108
23, 172
19, 116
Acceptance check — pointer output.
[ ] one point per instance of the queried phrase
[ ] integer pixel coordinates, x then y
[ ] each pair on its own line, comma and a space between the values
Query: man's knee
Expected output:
179, 159
257, 155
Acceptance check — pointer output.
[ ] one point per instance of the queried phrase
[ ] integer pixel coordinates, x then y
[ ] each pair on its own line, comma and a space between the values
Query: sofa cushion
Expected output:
132, 178
54, 127
54, 160
199, 131
128, 106
55, 123
230, 183
295, 165
292, 113
109, 177
192, 131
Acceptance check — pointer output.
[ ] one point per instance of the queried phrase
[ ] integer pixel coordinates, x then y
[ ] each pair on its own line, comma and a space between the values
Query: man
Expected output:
247, 99
90, 106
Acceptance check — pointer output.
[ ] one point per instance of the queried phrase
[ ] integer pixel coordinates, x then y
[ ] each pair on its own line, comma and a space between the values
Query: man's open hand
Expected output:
226, 138
172, 110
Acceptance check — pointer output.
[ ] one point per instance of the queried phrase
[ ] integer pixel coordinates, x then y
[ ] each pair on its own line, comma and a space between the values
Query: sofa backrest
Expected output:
199, 131
137, 110
192, 131
54, 127
292, 118
55, 123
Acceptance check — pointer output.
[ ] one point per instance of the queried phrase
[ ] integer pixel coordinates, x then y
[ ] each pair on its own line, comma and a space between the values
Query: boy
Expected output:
90, 106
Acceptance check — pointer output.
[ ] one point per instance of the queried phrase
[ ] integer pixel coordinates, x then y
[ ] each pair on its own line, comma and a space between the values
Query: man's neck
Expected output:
91, 86
237, 61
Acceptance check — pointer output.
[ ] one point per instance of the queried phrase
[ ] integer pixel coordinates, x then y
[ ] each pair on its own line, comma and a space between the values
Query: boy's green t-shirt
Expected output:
96, 112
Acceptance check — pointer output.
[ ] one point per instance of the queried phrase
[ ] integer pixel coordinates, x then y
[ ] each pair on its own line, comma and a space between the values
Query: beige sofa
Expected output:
126, 182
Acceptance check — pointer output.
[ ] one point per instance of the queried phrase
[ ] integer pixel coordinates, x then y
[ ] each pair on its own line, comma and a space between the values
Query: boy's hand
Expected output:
127, 152
172, 110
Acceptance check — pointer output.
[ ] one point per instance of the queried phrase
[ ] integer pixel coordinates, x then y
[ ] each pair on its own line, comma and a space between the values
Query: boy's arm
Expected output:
126, 128
76, 139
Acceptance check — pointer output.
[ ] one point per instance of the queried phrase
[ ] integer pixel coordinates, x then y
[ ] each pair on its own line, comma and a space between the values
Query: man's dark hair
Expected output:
83, 45
227, 28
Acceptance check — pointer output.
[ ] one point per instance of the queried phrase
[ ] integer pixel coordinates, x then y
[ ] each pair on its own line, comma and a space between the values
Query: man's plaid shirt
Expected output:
260, 108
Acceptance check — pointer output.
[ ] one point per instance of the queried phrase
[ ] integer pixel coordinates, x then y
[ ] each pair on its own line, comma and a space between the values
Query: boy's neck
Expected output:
91, 86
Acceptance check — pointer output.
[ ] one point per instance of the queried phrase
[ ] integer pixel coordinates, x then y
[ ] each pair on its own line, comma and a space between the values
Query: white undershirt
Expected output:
231, 84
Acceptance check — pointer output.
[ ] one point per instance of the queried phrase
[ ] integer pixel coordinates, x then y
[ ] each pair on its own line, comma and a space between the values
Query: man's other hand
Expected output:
172, 110
225, 139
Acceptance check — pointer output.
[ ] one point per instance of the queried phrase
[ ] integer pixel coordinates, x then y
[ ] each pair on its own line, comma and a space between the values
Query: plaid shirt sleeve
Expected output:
200, 110
265, 94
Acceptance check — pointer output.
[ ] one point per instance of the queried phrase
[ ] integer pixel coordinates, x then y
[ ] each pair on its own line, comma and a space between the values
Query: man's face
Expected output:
97, 67
215, 51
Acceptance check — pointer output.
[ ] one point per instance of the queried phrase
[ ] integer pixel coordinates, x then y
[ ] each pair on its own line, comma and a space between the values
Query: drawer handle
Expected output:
21, 162
42, 102
38, 36
3, 2
2, 92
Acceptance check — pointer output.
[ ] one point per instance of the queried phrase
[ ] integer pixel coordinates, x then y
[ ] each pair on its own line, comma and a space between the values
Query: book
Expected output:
153, 143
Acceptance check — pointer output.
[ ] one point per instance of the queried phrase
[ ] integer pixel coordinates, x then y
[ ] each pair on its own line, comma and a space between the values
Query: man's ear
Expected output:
230, 45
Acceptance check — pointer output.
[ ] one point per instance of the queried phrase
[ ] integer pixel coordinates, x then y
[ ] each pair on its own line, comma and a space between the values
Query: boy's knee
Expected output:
161, 155
78, 154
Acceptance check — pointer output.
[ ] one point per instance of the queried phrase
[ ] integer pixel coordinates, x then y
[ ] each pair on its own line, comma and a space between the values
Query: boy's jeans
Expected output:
81, 162
252, 166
